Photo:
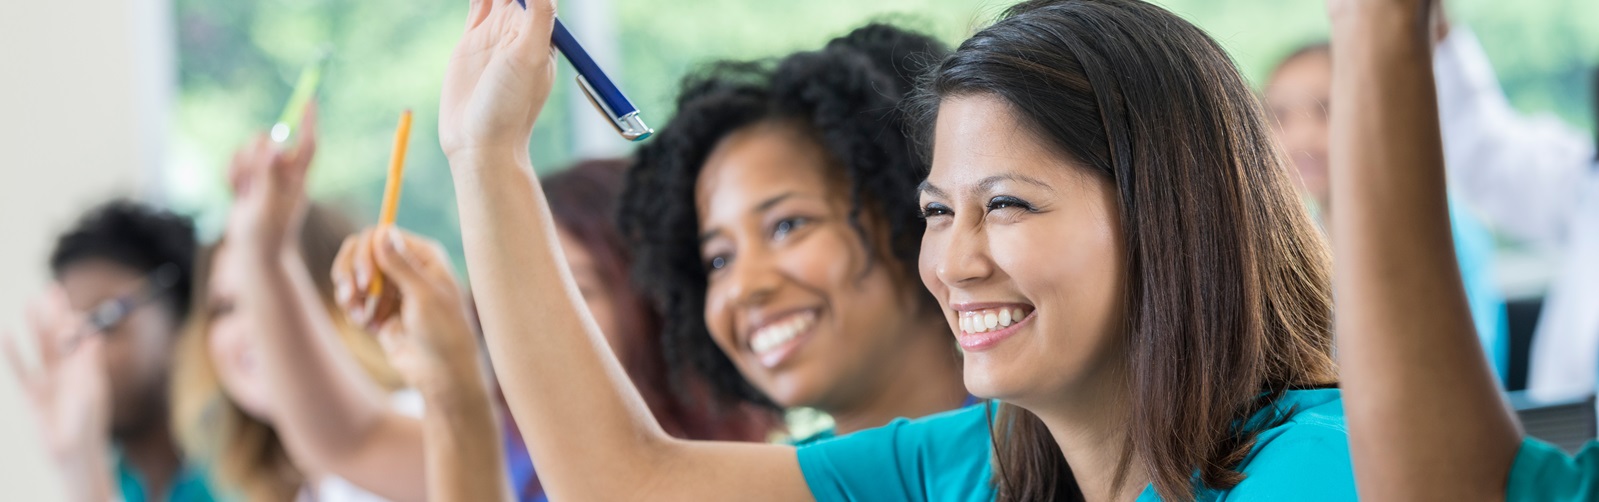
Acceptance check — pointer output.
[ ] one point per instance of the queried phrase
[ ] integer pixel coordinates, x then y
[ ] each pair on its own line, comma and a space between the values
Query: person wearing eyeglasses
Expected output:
104, 335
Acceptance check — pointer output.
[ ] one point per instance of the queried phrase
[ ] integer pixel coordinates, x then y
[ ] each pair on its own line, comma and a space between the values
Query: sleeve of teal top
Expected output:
1544, 473
938, 458
1306, 462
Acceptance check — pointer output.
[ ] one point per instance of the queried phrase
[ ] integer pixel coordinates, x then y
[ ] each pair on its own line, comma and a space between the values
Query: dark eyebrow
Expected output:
987, 185
768, 203
708, 236
928, 188
764, 206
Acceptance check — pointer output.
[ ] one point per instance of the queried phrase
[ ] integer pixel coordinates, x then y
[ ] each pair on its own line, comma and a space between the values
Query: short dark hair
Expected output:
846, 97
133, 235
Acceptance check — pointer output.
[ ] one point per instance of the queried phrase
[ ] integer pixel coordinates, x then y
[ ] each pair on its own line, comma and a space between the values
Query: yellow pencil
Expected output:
391, 191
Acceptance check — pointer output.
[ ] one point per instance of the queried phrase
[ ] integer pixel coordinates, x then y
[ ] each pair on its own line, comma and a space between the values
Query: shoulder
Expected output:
1543, 472
1306, 457
943, 456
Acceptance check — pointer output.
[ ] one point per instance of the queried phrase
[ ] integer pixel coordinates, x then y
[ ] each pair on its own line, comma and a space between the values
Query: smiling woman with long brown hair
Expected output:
1110, 232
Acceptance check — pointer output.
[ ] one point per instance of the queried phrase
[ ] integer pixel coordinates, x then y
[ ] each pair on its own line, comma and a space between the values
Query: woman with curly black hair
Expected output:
1110, 234
774, 221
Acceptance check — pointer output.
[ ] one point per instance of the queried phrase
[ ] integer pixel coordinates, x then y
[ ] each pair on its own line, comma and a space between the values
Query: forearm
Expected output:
1423, 410
589, 431
464, 456
88, 477
328, 411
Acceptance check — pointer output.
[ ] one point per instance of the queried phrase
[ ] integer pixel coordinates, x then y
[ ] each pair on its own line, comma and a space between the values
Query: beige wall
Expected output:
84, 93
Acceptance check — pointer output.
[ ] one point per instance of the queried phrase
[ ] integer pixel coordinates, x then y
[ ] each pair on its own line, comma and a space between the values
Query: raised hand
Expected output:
421, 320
268, 181
69, 394
497, 79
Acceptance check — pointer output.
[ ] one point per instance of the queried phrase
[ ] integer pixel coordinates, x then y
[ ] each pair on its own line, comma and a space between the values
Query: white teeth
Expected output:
773, 335
990, 320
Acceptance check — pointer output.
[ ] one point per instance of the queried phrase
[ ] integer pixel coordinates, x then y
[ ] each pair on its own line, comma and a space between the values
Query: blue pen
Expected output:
602, 93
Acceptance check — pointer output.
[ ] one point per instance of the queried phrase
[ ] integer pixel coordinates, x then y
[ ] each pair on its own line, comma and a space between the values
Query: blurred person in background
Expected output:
583, 200
105, 335
1534, 179
775, 223
1297, 95
264, 282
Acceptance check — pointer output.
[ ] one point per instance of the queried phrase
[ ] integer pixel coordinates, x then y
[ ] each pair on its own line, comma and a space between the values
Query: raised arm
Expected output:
330, 415
587, 429
1525, 174
431, 344
1425, 418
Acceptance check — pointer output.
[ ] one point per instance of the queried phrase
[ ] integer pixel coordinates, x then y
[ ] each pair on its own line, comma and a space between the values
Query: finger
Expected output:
343, 274
49, 351
305, 146
478, 11
428, 255
362, 269
19, 369
396, 260
538, 25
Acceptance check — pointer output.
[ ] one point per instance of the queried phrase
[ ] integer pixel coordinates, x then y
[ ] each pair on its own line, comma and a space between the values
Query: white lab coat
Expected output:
1535, 179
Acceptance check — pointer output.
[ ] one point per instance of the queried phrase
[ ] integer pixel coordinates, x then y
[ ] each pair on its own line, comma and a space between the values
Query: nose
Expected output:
751, 278
965, 259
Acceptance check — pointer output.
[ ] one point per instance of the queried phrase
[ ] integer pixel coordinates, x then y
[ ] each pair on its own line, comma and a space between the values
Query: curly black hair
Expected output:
137, 236
847, 95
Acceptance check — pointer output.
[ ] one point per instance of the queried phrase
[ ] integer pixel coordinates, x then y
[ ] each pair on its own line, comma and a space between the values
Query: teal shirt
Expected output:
1544, 473
945, 457
188, 486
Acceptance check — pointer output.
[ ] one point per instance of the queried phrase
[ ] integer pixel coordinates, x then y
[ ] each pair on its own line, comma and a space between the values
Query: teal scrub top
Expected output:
1544, 473
945, 457
189, 485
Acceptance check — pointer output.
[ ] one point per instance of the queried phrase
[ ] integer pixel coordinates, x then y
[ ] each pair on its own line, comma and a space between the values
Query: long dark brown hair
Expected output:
1227, 290
583, 200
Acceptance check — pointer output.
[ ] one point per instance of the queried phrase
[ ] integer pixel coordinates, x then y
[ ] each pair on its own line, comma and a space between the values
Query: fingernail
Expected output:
344, 291
363, 277
358, 314
370, 309
395, 242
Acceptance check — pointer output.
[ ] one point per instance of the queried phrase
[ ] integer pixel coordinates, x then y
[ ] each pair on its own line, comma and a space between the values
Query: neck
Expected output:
1091, 430
152, 453
925, 379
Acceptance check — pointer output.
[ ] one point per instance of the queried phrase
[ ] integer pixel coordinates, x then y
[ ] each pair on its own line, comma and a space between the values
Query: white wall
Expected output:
84, 96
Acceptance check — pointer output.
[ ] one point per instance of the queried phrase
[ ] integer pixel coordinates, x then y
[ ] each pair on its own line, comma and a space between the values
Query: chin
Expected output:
987, 379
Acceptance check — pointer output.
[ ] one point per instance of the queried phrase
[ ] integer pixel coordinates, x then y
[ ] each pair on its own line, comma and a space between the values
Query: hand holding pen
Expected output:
497, 81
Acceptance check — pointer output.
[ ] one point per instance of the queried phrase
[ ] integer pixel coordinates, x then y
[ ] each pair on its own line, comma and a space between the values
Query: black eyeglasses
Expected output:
108, 314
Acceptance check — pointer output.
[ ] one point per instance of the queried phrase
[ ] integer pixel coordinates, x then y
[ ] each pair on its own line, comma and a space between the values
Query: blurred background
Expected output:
148, 98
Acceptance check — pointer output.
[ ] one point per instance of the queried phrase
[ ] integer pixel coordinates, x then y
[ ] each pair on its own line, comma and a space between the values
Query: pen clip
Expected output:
629, 126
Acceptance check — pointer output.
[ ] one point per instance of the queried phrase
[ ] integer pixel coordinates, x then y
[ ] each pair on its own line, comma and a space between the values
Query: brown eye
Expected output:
786, 226
933, 209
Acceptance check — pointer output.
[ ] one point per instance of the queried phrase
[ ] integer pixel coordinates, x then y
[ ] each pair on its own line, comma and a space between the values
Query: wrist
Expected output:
451, 386
480, 157
87, 473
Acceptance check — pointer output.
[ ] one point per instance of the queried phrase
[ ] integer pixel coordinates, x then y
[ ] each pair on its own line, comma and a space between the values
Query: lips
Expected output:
773, 342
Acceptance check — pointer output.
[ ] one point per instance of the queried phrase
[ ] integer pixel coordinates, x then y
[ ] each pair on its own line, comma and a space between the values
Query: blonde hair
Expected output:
245, 454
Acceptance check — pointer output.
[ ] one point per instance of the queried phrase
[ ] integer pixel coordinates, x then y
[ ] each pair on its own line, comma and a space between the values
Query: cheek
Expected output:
927, 263
830, 260
718, 320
